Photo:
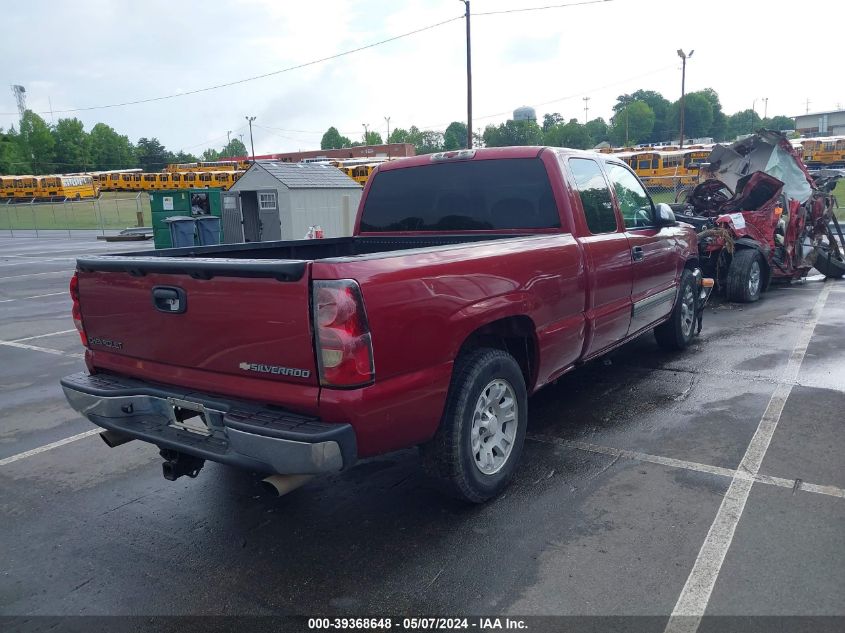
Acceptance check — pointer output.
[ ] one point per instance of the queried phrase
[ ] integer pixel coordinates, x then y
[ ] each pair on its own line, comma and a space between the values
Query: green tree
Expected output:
37, 143
455, 136
332, 139
398, 135
184, 157
698, 115
661, 106
719, 126
153, 156
373, 138
744, 122
73, 146
572, 134
513, 133
598, 130
110, 150
550, 119
779, 123
209, 155
235, 148
13, 159
633, 123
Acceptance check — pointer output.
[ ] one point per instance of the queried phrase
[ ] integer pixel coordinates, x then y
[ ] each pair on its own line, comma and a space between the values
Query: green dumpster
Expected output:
181, 202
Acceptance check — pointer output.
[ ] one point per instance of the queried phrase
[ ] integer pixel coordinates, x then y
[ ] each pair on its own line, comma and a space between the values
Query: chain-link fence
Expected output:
669, 189
73, 218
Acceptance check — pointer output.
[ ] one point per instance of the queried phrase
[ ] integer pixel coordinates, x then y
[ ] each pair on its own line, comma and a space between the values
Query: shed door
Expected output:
268, 216
233, 226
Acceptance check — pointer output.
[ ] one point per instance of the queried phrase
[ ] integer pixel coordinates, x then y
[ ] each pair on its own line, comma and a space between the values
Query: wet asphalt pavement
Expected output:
627, 463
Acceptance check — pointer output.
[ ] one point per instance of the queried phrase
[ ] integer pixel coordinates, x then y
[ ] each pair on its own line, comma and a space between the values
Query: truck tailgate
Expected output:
245, 326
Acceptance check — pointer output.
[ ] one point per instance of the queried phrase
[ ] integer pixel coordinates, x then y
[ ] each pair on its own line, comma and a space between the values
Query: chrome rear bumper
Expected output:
213, 428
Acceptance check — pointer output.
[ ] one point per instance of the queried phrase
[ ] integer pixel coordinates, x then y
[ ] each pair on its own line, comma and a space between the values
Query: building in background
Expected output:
821, 123
276, 200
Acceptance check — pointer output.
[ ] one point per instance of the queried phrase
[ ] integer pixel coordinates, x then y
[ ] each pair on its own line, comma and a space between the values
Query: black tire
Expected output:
448, 457
829, 265
677, 333
746, 276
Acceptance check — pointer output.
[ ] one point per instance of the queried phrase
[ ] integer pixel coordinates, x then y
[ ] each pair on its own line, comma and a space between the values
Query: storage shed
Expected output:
279, 201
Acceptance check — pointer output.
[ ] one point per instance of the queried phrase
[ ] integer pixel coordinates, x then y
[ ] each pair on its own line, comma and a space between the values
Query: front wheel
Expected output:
829, 264
477, 447
679, 330
746, 276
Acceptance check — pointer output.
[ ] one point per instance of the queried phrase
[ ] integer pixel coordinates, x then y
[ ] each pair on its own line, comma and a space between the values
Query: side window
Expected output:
595, 196
634, 203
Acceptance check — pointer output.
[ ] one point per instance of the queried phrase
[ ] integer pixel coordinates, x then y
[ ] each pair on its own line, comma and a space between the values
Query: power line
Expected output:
550, 6
255, 77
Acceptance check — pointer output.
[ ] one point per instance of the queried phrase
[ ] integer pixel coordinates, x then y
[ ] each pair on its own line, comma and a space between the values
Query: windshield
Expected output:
462, 196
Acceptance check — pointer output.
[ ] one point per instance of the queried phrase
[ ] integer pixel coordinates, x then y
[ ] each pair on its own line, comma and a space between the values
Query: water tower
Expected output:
525, 113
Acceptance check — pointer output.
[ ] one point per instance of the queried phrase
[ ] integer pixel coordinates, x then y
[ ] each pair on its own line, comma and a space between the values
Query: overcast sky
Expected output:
97, 52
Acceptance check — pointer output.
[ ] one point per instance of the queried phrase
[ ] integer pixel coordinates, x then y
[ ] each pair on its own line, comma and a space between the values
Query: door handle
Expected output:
637, 253
170, 300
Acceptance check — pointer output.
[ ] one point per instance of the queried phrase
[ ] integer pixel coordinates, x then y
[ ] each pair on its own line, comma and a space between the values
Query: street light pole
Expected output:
387, 139
250, 119
753, 112
469, 79
684, 57
765, 107
365, 132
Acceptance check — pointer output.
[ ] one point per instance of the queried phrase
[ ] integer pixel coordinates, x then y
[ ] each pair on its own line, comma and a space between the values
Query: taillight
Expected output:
344, 345
76, 311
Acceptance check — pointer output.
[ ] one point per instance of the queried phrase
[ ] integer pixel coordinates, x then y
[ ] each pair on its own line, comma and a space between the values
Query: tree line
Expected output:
644, 116
37, 147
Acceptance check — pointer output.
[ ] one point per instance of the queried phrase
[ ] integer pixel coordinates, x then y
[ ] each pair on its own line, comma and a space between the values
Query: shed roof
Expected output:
307, 175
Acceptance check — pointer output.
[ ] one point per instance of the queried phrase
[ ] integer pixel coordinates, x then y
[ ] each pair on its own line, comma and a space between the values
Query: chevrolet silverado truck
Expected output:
472, 279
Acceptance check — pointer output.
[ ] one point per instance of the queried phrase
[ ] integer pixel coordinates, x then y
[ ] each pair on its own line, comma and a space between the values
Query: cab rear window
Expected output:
470, 195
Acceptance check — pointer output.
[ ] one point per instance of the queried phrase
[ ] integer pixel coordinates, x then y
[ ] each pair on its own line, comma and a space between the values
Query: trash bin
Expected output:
182, 229
208, 230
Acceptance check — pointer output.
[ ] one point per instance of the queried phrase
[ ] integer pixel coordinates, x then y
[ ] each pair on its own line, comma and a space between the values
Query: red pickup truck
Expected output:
473, 278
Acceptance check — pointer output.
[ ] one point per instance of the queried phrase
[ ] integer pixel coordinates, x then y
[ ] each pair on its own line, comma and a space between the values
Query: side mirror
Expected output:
665, 215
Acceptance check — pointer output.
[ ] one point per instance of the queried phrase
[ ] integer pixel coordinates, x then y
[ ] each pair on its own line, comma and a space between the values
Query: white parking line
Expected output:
48, 447
49, 294
831, 491
29, 338
691, 604
46, 350
54, 272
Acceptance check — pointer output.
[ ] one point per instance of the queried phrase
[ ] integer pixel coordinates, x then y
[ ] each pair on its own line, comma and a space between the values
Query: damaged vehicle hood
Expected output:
766, 151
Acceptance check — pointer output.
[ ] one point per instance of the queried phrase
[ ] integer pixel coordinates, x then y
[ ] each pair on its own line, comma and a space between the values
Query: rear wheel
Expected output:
829, 265
746, 276
678, 331
476, 450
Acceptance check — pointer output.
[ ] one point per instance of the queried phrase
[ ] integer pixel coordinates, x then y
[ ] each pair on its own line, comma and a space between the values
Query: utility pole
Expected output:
586, 109
365, 132
684, 58
469, 79
626, 124
250, 119
228, 136
765, 107
753, 112
807, 111
387, 138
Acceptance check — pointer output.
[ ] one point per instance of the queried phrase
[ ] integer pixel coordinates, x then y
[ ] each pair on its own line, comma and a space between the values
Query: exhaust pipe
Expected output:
284, 484
113, 438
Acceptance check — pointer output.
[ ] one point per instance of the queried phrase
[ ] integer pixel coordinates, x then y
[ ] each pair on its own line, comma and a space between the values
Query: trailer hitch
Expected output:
177, 464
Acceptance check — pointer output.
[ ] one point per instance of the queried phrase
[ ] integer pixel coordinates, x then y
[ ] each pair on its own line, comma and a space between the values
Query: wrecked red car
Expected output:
761, 216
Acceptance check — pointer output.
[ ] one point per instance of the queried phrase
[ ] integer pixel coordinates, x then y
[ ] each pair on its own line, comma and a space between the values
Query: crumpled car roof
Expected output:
765, 151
